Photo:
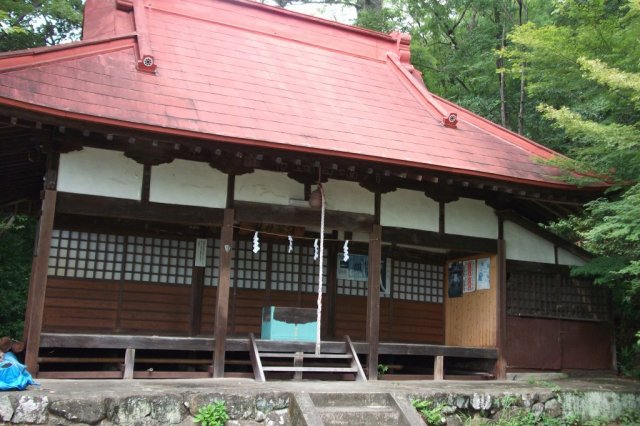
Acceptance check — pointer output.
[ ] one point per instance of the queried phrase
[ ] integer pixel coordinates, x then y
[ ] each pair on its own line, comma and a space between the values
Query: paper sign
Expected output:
201, 252
469, 276
483, 274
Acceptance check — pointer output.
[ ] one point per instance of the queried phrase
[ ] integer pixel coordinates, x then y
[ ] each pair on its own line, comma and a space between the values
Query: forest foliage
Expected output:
565, 73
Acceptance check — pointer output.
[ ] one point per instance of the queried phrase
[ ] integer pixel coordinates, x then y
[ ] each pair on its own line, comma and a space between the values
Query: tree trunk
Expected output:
522, 98
500, 66
522, 16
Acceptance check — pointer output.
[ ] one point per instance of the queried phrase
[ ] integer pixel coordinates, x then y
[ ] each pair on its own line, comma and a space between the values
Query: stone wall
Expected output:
276, 408
485, 408
268, 409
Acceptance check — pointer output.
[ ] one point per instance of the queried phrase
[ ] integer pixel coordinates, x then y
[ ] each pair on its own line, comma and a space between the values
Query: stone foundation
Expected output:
275, 408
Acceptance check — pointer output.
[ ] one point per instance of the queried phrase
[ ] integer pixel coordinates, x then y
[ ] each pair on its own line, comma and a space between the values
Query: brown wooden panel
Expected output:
471, 320
208, 310
351, 316
533, 343
80, 305
415, 322
156, 308
586, 345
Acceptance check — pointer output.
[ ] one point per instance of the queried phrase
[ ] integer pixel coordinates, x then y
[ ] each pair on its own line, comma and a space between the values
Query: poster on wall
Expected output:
455, 279
469, 276
483, 274
354, 269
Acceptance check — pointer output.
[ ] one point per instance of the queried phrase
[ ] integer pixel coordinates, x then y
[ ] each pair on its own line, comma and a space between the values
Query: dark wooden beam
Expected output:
231, 190
373, 300
300, 216
146, 183
38, 283
197, 291
222, 297
501, 311
118, 208
436, 239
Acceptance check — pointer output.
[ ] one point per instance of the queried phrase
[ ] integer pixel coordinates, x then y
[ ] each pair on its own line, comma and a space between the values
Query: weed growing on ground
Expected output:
554, 387
508, 401
214, 414
430, 411
629, 418
382, 369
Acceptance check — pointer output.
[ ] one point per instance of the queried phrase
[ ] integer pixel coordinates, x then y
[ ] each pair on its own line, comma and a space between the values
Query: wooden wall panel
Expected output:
80, 305
155, 308
470, 320
414, 322
208, 311
533, 343
351, 317
557, 344
247, 315
587, 345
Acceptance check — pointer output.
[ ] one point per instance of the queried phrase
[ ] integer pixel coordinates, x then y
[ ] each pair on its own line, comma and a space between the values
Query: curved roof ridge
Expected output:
322, 21
10, 61
505, 134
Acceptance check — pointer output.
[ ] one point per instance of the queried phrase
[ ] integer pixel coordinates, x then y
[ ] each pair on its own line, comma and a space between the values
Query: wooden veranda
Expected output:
136, 356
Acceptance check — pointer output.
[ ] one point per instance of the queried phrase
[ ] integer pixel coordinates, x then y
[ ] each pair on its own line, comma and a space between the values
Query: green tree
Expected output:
584, 70
32, 23
16, 249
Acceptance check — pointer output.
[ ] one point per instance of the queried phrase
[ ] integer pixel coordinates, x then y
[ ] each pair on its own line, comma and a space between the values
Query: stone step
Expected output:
351, 399
359, 415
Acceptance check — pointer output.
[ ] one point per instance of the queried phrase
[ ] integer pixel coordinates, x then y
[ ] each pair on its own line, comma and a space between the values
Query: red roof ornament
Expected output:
451, 120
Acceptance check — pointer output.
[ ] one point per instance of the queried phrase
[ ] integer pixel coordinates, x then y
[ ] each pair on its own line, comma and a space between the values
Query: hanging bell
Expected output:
315, 198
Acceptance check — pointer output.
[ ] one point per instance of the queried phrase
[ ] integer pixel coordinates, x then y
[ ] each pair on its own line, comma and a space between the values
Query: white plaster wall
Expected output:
100, 172
268, 187
567, 258
348, 196
188, 183
409, 209
472, 218
527, 246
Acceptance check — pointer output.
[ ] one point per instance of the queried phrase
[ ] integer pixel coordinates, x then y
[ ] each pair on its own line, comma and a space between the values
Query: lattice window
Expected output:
212, 269
582, 299
86, 255
421, 282
251, 267
352, 288
309, 270
159, 260
285, 268
555, 296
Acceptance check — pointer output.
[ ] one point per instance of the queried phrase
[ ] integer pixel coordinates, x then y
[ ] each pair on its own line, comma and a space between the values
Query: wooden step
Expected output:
311, 369
305, 356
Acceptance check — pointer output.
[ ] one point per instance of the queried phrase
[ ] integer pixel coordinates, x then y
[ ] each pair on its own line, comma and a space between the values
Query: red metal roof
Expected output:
238, 71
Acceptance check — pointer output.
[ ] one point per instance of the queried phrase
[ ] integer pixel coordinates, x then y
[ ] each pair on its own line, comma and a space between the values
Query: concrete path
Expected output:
77, 389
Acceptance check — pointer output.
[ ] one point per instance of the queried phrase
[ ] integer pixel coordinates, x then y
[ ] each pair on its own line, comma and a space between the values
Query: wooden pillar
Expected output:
197, 292
501, 314
438, 368
373, 301
38, 282
129, 363
222, 299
